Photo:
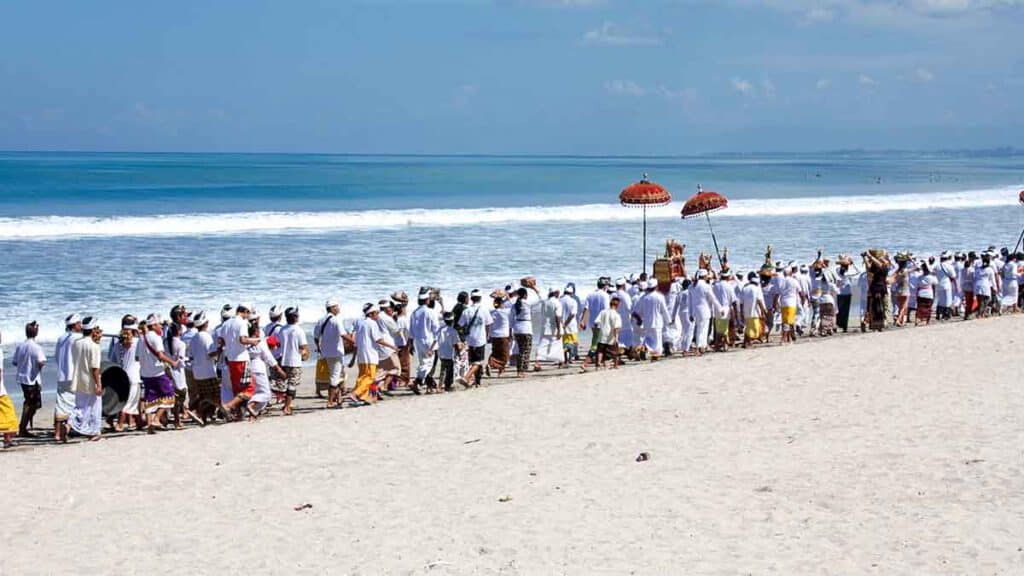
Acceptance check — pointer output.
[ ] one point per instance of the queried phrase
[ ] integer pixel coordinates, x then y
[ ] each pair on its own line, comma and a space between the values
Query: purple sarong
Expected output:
158, 393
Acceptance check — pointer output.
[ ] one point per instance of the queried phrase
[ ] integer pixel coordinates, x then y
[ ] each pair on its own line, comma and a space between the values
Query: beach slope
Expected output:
894, 453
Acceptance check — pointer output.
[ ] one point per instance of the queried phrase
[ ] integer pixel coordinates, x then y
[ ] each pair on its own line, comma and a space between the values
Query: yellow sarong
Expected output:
8, 417
789, 315
752, 330
367, 374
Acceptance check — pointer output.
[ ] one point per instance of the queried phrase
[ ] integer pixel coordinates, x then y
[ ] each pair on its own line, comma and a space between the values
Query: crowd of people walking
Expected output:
182, 371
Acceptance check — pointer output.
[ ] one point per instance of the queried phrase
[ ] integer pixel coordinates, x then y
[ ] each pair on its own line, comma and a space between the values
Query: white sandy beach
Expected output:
899, 453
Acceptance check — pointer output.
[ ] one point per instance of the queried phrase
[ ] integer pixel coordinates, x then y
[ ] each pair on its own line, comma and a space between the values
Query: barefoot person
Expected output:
8, 417
294, 351
124, 352
29, 359
753, 309
549, 347
423, 327
87, 419
368, 339
475, 321
204, 351
158, 389
609, 325
331, 347
64, 406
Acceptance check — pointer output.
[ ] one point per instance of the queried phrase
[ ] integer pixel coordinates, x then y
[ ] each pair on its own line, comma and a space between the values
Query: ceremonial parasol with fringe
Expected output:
643, 194
705, 202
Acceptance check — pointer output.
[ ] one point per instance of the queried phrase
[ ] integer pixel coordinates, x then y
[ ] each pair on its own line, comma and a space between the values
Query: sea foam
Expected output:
49, 227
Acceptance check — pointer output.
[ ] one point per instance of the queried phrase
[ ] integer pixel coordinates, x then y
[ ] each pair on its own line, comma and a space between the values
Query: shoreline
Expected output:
870, 454
307, 402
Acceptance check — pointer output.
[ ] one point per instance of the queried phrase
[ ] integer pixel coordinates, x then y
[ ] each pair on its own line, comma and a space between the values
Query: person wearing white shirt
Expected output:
986, 281
261, 363
424, 324
681, 315
331, 347
158, 388
726, 297
846, 274
1011, 284
85, 383
368, 339
124, 351
627, 336
789, 303
202, 349
927, 285
570, 324
753, 310
475, 321
945, 294
500, 334
595, 302
29, 359
608, 324
549, 347
652, 318
65, 402
235, 342
703, 305
828, 290
522, 330
294, 351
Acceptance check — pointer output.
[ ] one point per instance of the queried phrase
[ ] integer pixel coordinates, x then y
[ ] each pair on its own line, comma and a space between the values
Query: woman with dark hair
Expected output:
876, 264
522, 330
926, 287
901, 280
501, 334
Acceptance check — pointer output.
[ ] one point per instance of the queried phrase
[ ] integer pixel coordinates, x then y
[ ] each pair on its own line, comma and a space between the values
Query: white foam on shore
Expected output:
49, 227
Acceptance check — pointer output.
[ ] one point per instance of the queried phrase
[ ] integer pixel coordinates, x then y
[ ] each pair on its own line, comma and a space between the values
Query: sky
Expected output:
511, 76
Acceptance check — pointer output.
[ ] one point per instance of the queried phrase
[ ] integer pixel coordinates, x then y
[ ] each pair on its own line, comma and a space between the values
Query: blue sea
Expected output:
109, 233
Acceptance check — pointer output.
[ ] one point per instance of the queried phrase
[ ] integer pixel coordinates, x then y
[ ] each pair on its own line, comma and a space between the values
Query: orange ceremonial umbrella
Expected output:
705, 202
643, 194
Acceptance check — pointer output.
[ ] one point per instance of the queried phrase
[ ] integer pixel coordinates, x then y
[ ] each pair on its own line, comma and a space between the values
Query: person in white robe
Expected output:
627, 336
87, 418
424, 324
681, 316
703, 306
549, 345
652, 317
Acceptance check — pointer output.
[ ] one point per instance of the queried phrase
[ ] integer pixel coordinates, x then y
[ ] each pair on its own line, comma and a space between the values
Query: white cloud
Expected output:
823, 84
889, 13
866, 81
923, 75
686, 94
611, 34
624, 88
743, 86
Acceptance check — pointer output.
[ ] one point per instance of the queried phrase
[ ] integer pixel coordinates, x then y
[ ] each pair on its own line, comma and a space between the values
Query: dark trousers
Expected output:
477, 355
843, 312
447, 375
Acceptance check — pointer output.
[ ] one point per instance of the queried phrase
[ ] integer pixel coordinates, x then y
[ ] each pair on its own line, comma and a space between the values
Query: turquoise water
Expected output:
107, 234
